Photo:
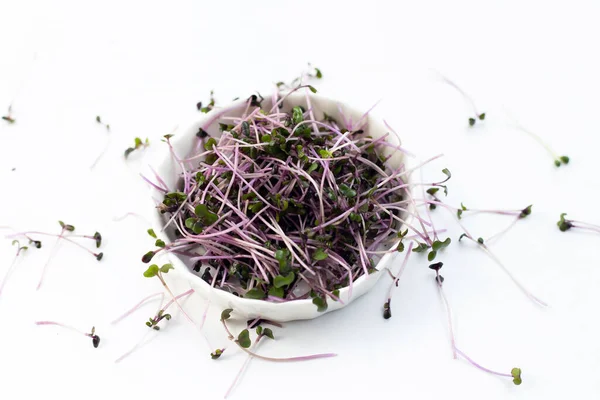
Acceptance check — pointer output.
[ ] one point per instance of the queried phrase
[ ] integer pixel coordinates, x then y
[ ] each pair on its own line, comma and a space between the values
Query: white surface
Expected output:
162, 162
141, 64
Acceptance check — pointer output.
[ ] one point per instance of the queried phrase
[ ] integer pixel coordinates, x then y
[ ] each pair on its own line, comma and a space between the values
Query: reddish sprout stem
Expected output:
448, 313
136, 307
478, 366
273, 359
10, 270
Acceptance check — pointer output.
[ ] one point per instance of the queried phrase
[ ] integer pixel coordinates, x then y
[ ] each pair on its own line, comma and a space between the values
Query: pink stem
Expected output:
135, 307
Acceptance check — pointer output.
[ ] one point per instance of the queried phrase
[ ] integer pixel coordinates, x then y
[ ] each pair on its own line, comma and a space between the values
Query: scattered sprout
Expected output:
216, 354
566, 224
516, 374
563, 224
137, 145
99, 120
8, 117
210, 106
468, 99
95, 338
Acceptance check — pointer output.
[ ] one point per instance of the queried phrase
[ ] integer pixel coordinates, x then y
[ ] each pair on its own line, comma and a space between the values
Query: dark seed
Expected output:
96, 341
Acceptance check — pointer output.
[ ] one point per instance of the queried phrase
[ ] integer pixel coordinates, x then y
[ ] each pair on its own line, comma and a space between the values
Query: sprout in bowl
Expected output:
285, 208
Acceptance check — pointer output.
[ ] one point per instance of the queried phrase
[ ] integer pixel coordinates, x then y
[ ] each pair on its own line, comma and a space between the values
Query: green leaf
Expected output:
321, 303
462, 206
256, 293
151, 271
325, 153
319, 75
565, 160
147, 257
281, 281
431, 255
471, 121
197, 227
245, 128
297, 115
128, 151
138, 142
217, 353
526, 211
207, 217
462, 236
400, 247
481, 116
331, 194
355, 217
283, 257
159, 243
421, 248
201, 210
268, 333
98, 120
319, 255
432, 191
244, 339
151, 233
165, 268
210, 144
276, 292
256, 207
189, 222
346, 191
225, 314
516, 374
312, 89
438, 245
446, 172
459, 213
98, 239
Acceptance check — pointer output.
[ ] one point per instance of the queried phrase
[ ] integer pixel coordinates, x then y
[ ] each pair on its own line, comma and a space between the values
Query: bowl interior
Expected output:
185, 143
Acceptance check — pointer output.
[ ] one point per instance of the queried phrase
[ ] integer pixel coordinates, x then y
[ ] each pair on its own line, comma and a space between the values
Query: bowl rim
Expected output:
207, 119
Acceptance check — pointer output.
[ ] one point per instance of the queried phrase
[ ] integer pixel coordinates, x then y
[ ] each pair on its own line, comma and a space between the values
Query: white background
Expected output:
143, 65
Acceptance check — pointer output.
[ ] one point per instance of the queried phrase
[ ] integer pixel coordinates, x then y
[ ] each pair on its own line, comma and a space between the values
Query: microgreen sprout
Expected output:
95, 338
477, 115
209, 106
387, 306
312, 72
20, 250
67, 235
156, 271
107, 126
8, 117
558, 159
439, 280
566, 224
483, 246
243, 341
99, 120
137, 145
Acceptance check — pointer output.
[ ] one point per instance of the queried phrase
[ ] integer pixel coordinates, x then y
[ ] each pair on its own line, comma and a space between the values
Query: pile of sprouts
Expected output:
284, 206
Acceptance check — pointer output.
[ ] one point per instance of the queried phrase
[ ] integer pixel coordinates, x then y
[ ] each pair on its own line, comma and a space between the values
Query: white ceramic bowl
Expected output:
184, 140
